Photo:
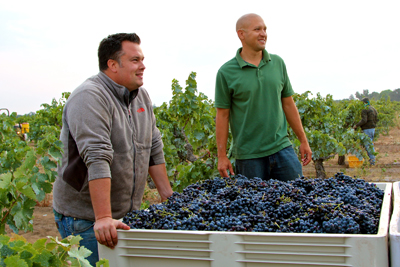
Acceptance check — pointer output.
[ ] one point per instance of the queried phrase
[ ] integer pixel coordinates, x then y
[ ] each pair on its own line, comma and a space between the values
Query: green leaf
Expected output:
47, 163
80, 254
39, 244
5, 180
42, 177
74, 240
6, 251
25, 254
23, 213
15, 261
4, 239
199, 135
43, 258
51, 245
103, 263
27, 165
62, 245
55, 153
47, 187
17, 244
28, 191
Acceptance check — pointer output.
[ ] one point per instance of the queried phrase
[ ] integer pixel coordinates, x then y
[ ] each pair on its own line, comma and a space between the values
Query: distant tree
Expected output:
385, 95
351, 97
395, 95
374, 96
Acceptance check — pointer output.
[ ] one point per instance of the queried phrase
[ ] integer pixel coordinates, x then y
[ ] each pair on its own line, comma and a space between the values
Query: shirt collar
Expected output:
242, 63
121, 92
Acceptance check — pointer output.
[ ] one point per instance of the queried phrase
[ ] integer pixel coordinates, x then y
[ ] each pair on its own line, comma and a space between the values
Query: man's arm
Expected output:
105, 227
159, 175
222, 132
293, 118
364, 119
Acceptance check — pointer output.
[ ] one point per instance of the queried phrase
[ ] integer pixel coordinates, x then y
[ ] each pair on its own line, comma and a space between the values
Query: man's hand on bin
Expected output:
105, 230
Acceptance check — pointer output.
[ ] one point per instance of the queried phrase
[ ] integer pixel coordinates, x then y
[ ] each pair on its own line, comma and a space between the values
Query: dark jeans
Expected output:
73, 226
283, 165
371, 134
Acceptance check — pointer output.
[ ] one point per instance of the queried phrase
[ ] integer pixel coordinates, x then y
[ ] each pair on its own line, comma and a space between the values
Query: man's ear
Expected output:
240, 34
112, 65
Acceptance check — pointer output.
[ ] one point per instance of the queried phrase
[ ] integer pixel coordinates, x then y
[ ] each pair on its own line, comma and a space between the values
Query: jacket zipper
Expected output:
134, 157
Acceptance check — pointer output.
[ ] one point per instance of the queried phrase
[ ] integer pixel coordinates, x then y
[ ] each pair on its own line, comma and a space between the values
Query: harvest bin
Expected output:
394, 230
355, 162
174, 248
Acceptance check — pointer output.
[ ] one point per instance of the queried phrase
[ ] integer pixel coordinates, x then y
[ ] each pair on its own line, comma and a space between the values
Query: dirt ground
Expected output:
387, 169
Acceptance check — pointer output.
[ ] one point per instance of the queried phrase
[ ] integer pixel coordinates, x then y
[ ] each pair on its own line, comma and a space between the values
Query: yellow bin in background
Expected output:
354, 162
25, 127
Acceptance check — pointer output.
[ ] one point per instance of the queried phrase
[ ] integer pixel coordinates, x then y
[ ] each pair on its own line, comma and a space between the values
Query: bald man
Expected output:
253, 96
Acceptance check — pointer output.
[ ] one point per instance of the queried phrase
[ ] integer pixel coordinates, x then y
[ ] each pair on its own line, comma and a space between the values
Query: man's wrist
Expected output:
222, 155
103, 217
303, 140
166, 194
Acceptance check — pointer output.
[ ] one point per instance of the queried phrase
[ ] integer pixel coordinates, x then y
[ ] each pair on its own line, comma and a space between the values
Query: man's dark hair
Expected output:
111, 48
365, 100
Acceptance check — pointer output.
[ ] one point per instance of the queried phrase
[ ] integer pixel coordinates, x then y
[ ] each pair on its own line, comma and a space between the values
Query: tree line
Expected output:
384, 95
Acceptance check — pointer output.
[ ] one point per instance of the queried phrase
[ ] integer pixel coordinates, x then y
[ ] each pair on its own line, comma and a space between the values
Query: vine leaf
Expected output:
43, 258
16, 261
27, 165
5, 180
80, 254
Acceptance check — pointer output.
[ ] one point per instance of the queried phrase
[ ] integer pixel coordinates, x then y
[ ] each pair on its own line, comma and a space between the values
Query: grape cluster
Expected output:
340, 204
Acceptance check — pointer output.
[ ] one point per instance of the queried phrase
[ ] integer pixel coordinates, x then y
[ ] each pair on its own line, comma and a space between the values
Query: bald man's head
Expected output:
244, 21
252, 32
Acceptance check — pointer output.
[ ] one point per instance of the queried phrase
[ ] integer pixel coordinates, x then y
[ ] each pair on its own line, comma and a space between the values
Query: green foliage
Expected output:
49, 115
187, 125
16, 251
26, 174
386, 112
328, 127
12, 148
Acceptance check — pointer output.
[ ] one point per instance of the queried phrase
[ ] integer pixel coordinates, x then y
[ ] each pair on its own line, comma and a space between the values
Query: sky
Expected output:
329, 47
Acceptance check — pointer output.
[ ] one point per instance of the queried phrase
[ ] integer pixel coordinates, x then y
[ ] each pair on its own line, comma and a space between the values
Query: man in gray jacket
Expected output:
111, 143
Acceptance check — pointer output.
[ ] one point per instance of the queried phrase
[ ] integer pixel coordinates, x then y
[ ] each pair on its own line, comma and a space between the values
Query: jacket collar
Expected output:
119, 91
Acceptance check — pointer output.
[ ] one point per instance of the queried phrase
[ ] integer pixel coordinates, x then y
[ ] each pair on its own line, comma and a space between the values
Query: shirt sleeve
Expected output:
287, 86
89, 122
222, 92
157, 153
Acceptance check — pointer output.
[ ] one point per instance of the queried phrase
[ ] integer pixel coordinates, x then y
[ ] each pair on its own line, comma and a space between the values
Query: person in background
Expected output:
253, 96
111, 143
369, 118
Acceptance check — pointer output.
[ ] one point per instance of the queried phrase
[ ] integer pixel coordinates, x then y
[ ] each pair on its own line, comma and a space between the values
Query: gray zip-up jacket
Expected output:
107, 132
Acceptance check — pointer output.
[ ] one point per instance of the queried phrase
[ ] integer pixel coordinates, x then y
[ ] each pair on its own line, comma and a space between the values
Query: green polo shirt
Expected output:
253, 95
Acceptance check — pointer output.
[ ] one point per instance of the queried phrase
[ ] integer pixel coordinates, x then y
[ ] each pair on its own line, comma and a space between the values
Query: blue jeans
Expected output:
73, 226
283, 165
371, 134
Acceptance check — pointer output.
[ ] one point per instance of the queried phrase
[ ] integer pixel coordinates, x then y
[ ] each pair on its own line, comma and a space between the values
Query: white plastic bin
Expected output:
173, 248
394, 229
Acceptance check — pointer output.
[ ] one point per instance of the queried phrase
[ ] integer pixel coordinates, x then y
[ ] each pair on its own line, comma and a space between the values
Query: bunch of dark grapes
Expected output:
340, 204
